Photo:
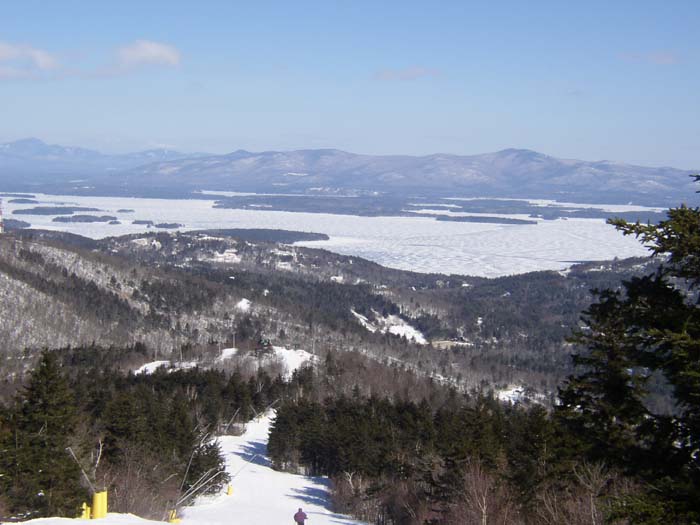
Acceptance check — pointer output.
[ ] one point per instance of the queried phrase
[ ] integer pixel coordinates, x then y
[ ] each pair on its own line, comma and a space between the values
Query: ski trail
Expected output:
262, 495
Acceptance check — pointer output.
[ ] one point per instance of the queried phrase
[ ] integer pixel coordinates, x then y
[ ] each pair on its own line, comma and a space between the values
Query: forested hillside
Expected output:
198, 291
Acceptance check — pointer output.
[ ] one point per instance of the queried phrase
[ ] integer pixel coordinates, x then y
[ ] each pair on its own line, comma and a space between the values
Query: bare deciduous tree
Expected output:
486, 500
583, 501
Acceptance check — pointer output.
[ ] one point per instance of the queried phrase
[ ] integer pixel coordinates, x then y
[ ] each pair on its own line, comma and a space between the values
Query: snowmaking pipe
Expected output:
203, 482
244, 466
87, 480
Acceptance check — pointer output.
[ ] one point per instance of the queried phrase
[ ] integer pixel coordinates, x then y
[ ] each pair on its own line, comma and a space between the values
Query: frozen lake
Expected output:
421, 244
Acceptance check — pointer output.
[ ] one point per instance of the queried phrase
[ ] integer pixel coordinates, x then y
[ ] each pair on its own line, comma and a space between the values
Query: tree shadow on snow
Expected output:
320, 497
255, 452
312, 496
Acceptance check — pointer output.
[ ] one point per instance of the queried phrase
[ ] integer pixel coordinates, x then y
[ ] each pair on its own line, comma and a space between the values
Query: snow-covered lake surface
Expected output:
420, 244
617, 208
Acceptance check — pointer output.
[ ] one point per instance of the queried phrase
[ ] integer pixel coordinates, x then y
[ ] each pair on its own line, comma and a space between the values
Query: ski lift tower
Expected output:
2, 224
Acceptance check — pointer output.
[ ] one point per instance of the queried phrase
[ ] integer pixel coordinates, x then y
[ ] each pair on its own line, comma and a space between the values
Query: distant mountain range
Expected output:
33, 156
32, 165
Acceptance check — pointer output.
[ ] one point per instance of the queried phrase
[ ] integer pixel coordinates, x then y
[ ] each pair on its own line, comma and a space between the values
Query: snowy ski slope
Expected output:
260, 495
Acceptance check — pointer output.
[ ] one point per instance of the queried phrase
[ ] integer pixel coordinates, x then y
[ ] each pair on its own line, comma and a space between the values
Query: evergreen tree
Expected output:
603, 404
207, 464
44, 479
530, 451
650, 327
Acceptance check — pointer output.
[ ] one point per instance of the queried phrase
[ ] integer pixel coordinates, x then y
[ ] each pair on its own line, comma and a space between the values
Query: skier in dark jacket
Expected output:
300, 517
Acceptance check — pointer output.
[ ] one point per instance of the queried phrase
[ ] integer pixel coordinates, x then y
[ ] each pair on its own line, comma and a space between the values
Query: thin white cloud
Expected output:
23, 61
663, 58
408, 73
147, 52
658, 58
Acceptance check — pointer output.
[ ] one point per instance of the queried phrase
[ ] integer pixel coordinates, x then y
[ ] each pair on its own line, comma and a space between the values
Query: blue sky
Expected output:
589, 80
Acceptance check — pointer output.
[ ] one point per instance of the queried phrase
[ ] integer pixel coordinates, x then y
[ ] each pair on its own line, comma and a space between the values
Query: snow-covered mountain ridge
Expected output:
507, 173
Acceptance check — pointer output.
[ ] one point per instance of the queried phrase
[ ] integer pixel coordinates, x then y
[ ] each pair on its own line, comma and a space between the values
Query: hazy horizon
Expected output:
435, 153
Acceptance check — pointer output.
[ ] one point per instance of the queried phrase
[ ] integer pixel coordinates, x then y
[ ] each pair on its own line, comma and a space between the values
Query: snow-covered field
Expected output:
420, 244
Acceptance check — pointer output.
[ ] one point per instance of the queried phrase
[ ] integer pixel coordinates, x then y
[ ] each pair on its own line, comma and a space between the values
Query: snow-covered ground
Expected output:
518, 394
111, 519
227, 353
410, 243
151, 367
228, 256
392, 324
291, 358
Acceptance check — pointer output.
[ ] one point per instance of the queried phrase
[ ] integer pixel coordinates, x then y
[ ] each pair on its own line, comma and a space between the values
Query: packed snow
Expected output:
260, 494
512, 394
420, 244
